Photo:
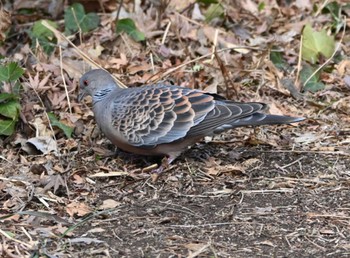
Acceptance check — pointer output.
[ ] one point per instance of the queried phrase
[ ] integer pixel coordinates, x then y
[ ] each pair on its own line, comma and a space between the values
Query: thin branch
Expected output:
64, 82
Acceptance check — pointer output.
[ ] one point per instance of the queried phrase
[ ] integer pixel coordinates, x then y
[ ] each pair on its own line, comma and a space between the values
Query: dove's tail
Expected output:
265, 119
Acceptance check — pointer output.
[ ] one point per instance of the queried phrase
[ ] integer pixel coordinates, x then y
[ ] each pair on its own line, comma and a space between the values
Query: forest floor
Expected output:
270, 191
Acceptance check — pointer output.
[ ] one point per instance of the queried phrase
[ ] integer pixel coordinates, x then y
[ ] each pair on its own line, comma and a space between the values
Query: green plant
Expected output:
43, 36
75, 19
67, 130
128, 26
9, 102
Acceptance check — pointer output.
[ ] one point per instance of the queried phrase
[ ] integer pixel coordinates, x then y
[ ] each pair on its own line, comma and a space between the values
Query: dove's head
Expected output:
98, 83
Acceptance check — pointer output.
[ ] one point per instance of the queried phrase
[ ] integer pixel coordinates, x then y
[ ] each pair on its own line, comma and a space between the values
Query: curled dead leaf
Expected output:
5, 22
43, 144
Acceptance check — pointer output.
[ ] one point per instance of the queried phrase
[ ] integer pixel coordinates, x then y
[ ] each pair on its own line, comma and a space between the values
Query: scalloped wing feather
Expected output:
157, 114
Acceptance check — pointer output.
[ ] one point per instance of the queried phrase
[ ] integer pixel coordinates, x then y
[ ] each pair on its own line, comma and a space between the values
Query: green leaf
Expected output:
214, 11
10, 109
42, 35
335, 9
261, 6
16, 88
75, 18
67, 130
7, 127
197, 68
313, 84
40, 31
316, 43
10, 72
27, 11
278, 61
7, 96
207, 1
128, 26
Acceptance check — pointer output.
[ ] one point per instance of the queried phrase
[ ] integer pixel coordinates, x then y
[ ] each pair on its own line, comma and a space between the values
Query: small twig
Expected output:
321, 8
286, 238
308, 151
152, 62
126, 44
198, 23
215, 43
118, 12
166, 32
299, 63
321, 247
224, 75
80, 32
310, 180
265, 191
45, 203
208, 225
15, 181
311, 215
47, 116
213, 251
101, 5
27, 234
199, 251
15, 240
292, 163
3, 158
53, 133
171, 70
64, 82
191, 212
61, 37
149, 168
85, 220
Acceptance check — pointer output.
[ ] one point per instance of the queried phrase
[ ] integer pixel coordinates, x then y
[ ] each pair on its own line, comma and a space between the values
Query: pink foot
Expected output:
166, 161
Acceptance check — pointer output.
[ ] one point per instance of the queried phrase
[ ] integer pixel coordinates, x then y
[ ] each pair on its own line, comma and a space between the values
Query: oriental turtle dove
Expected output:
163, 119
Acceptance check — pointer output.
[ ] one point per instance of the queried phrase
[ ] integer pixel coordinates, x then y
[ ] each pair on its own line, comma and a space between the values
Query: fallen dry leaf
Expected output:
5, 22
109, 204
77, 209
44, 144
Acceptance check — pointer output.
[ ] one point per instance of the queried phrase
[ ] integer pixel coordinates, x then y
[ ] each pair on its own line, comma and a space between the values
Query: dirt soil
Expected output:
217, 200
289, 205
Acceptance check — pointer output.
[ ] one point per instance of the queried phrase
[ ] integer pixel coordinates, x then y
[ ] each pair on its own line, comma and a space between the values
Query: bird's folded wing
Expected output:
149, 116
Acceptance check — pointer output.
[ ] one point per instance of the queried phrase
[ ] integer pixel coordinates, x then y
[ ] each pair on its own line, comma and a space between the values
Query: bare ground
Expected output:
291, 205
262, 202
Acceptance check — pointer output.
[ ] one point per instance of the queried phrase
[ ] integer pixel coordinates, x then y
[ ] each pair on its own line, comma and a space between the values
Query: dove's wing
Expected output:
153, 115
159, 114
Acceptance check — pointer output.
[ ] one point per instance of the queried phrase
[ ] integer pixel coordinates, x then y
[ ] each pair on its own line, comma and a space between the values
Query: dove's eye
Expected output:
86, 82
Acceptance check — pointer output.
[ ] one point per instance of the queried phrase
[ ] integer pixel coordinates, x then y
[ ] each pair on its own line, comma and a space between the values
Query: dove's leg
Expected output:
166, 161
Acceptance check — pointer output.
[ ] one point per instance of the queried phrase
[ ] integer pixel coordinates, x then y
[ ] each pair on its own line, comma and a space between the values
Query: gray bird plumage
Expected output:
163, 120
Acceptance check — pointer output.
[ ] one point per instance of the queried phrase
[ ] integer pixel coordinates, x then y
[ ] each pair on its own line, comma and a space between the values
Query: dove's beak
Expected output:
81, 95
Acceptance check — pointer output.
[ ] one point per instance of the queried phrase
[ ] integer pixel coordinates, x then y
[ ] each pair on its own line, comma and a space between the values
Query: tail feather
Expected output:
265, 119
258, 119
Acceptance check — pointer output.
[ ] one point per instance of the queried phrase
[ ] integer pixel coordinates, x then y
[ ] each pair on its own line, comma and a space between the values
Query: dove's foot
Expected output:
166, 161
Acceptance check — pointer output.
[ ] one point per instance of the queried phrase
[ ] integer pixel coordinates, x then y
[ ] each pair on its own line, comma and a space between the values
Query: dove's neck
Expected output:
102, 94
